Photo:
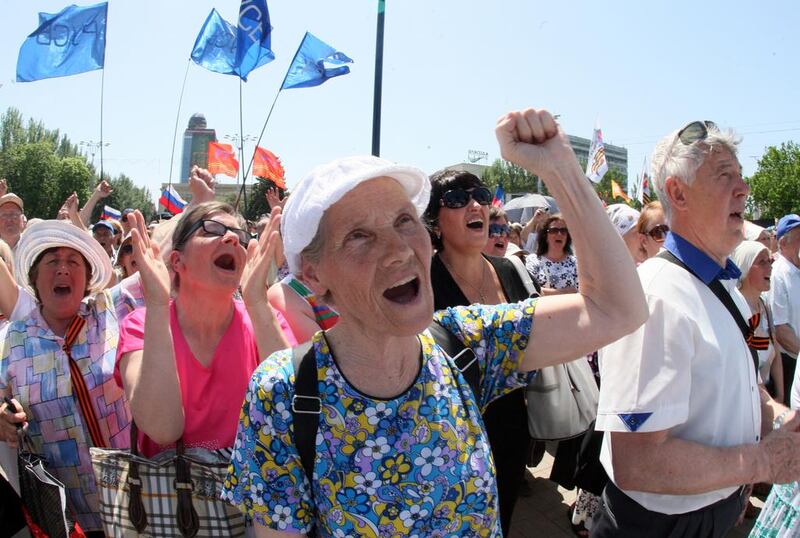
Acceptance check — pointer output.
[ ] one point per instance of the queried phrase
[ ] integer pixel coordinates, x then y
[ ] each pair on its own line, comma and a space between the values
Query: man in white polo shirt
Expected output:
680, 401
784, 296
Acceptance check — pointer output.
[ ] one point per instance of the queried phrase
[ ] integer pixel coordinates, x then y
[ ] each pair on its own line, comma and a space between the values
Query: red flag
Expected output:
266, 165
222, 159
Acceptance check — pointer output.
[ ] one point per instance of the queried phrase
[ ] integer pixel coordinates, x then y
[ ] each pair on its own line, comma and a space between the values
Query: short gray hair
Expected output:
673, 158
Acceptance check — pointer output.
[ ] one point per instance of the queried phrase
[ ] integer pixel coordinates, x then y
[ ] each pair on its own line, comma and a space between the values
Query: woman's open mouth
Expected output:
62, 290
476, 224
404, 292
226, 262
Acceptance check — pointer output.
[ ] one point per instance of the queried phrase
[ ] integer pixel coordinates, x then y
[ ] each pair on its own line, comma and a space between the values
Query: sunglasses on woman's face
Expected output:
498, 230
458, 198
212, 227
559, 231
658, 233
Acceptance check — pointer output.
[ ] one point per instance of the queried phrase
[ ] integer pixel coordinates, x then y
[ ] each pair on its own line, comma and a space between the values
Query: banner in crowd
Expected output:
267, 165
645, 192
111, 213
222, 159
235, 50
66, 43
499, 196
617, 192
596, 166
172, 201
309, 66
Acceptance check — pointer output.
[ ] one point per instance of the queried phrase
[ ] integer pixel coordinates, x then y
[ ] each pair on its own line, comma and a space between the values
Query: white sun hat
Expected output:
60, 233
327, 184
623, 217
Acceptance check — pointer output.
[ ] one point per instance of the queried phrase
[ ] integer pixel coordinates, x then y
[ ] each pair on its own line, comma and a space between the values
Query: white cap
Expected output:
623, 217
327, 184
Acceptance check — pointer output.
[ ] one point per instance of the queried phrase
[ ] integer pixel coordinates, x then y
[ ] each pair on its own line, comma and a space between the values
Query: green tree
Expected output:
126, 194
775, 186
512, 177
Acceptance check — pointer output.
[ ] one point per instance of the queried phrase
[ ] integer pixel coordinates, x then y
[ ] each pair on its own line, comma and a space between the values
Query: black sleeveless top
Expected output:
446, 292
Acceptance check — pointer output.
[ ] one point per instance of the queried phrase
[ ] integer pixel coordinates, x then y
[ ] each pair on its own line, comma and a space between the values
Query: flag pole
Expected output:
241, 148
260, 136
376, 102
102, 87
177, 119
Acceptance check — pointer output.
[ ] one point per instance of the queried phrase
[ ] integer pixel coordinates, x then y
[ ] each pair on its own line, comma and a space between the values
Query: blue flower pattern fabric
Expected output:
415, 465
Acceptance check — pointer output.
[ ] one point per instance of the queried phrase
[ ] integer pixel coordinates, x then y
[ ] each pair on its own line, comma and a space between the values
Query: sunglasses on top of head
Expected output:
695, 131
458, 198
213, 227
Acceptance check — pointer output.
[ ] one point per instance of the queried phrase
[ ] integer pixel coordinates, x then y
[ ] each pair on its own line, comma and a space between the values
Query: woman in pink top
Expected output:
185, 361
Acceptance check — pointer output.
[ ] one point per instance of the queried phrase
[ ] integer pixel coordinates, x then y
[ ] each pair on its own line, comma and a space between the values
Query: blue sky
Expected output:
451, 68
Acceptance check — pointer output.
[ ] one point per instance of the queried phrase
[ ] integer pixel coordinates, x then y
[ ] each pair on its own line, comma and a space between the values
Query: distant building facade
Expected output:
195, 145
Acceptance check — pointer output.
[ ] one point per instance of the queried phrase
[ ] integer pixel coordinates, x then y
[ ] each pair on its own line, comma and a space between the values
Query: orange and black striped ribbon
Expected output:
759, 343
79, 384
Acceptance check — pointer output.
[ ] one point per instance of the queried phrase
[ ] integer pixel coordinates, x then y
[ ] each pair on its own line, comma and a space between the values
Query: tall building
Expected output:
195, 145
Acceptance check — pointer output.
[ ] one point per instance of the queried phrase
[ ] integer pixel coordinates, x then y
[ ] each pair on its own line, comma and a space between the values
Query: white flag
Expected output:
596, 166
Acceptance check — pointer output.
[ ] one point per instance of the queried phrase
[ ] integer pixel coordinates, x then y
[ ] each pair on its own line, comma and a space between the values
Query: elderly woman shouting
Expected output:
400, 448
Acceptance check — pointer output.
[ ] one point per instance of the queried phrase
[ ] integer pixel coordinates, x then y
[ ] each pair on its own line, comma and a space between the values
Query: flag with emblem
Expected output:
266, 165
222, 160
617, 192
645, 188
596, 166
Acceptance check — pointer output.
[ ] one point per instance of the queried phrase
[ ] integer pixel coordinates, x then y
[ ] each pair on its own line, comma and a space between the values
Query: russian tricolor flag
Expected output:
499, 196
172, 201
111, 213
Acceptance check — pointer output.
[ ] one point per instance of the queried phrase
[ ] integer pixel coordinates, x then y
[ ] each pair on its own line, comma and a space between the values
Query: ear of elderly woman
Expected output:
401, 448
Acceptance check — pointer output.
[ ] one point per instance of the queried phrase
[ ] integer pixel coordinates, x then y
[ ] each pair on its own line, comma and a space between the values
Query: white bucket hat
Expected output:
623, 217
327, 184
60, 233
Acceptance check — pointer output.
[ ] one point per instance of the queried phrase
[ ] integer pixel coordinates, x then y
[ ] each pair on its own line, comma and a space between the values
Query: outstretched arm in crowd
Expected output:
149, 375
103, 190
610, 303
269, 336
9, 292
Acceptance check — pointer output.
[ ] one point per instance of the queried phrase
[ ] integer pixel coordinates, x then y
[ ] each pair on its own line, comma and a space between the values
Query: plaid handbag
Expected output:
177, 493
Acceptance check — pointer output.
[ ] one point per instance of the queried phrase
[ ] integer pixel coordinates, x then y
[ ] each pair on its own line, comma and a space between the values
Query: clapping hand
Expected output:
274, 198
259, 256
152, 271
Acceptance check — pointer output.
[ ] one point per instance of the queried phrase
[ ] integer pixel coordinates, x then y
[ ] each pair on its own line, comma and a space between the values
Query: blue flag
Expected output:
66, 43
309, 66
235, 50
253, 37
215, 46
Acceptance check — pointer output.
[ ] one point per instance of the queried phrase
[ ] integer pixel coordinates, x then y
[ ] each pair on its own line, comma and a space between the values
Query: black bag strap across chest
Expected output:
307, 405
724, 297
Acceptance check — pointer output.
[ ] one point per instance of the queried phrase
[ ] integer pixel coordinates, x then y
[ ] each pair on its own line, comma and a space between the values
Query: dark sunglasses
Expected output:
695, 131
498, 230
458, 198
658, 233
562, 231
213, 227
126, 249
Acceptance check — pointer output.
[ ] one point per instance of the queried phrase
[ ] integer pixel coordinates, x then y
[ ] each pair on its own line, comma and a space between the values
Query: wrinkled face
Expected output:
651, 244
61, 282
790, 244
11, 222
465, 228
209, 260
105, 237
557, 237
375, 262
760, 272
715, 203
498, 238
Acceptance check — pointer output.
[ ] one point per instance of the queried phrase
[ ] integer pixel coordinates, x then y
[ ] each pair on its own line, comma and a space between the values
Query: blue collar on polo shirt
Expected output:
698, 261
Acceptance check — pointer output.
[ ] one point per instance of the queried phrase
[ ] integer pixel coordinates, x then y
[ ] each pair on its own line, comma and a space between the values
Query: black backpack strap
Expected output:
463, 357
306, 406
724, 297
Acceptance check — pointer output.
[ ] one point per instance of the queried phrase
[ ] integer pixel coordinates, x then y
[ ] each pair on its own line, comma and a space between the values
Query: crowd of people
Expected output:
191, 330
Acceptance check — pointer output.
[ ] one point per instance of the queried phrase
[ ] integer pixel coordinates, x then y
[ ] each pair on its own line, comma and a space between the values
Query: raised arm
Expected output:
9, 293
269, 336
149, 376
610, 302
103, 190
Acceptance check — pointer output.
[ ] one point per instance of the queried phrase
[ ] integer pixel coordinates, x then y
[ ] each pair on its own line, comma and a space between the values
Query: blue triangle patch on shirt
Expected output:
634, 421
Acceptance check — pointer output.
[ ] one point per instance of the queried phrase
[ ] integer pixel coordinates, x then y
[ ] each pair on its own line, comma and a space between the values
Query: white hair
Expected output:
673, 158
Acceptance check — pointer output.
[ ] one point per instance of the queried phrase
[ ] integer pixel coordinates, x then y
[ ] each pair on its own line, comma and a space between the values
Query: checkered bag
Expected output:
176, 494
